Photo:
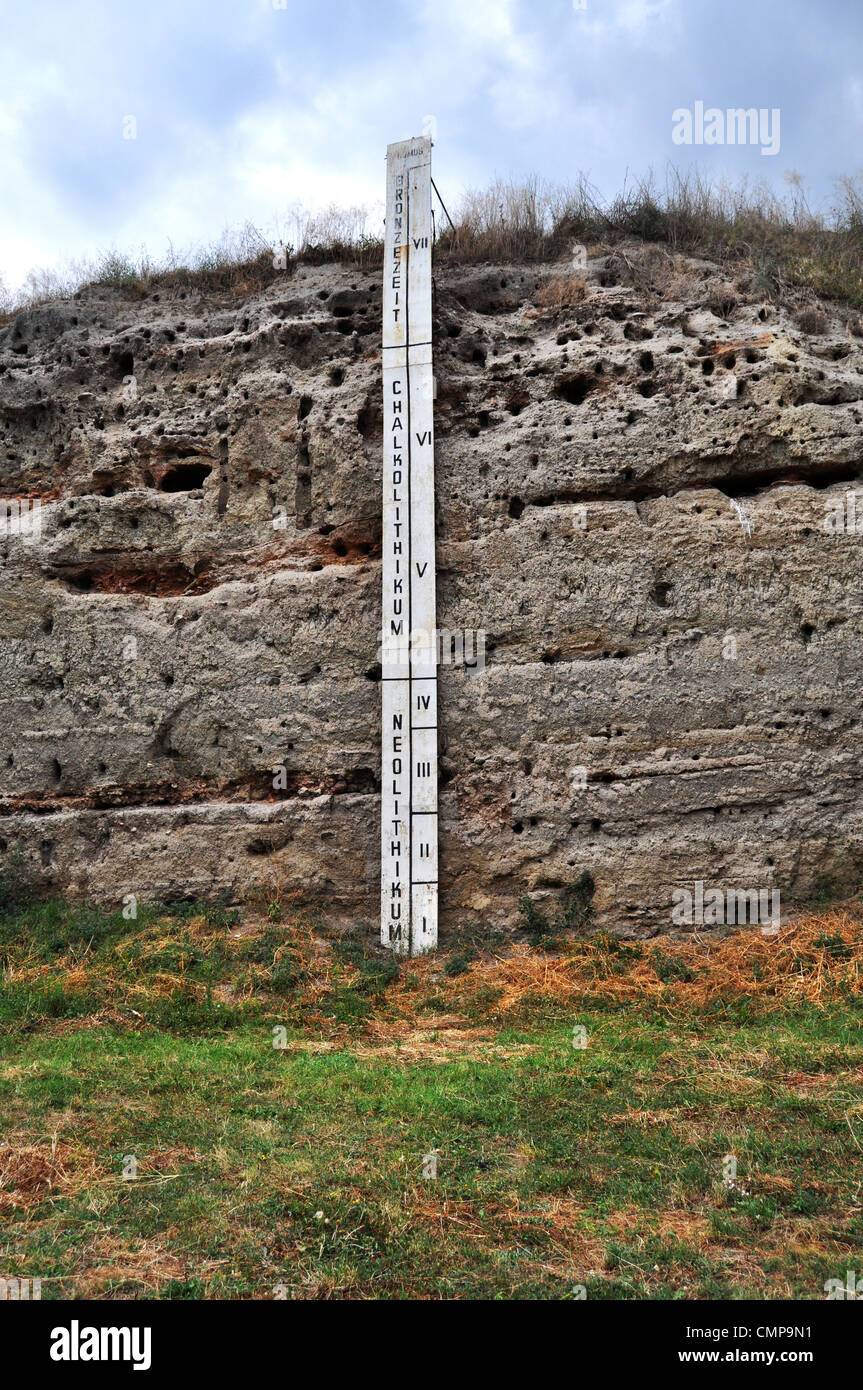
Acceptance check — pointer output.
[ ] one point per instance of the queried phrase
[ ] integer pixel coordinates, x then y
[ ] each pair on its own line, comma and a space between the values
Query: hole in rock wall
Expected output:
185, 477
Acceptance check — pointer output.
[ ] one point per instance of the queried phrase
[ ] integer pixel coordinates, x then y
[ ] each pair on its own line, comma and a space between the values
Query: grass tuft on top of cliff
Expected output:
795, 254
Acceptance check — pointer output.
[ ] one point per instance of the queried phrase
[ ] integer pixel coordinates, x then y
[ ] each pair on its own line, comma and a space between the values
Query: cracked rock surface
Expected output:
637, 501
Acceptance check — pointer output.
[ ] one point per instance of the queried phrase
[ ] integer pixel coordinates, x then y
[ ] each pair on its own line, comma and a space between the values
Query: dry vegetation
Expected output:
560, 292
817, 959
794, 253
197, 966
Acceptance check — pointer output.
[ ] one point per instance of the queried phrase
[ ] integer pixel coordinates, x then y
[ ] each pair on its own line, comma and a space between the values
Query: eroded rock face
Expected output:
633, 495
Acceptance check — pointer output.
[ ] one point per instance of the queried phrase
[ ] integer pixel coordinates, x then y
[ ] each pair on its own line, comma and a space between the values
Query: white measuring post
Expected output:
409, 770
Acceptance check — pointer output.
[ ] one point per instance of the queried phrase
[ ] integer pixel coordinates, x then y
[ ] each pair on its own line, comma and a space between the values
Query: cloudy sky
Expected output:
244, 108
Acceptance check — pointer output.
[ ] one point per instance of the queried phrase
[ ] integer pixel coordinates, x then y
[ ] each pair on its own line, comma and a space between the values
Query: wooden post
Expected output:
409, 774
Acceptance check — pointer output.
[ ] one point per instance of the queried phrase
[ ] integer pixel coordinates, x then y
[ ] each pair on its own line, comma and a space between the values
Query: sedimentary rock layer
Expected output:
632, 490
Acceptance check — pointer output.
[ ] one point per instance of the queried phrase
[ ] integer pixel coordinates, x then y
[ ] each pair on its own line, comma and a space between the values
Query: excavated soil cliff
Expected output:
635, 482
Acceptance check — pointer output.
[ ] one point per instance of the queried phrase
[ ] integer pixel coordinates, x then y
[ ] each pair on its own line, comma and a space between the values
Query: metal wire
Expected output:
443, 204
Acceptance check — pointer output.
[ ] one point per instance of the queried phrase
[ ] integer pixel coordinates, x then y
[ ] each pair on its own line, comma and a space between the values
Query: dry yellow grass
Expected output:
560, 292
815, 959
31, 1172
27, 1173
146, 1263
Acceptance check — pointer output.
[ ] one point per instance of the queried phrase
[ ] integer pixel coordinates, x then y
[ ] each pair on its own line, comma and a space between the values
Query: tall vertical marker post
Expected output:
409, 771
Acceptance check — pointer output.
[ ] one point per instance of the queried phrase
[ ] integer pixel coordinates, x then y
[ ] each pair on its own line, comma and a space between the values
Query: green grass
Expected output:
557, 1166
300, 1171
265, 1171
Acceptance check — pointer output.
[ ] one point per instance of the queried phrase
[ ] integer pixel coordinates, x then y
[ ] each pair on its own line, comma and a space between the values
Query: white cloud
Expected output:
245, 111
